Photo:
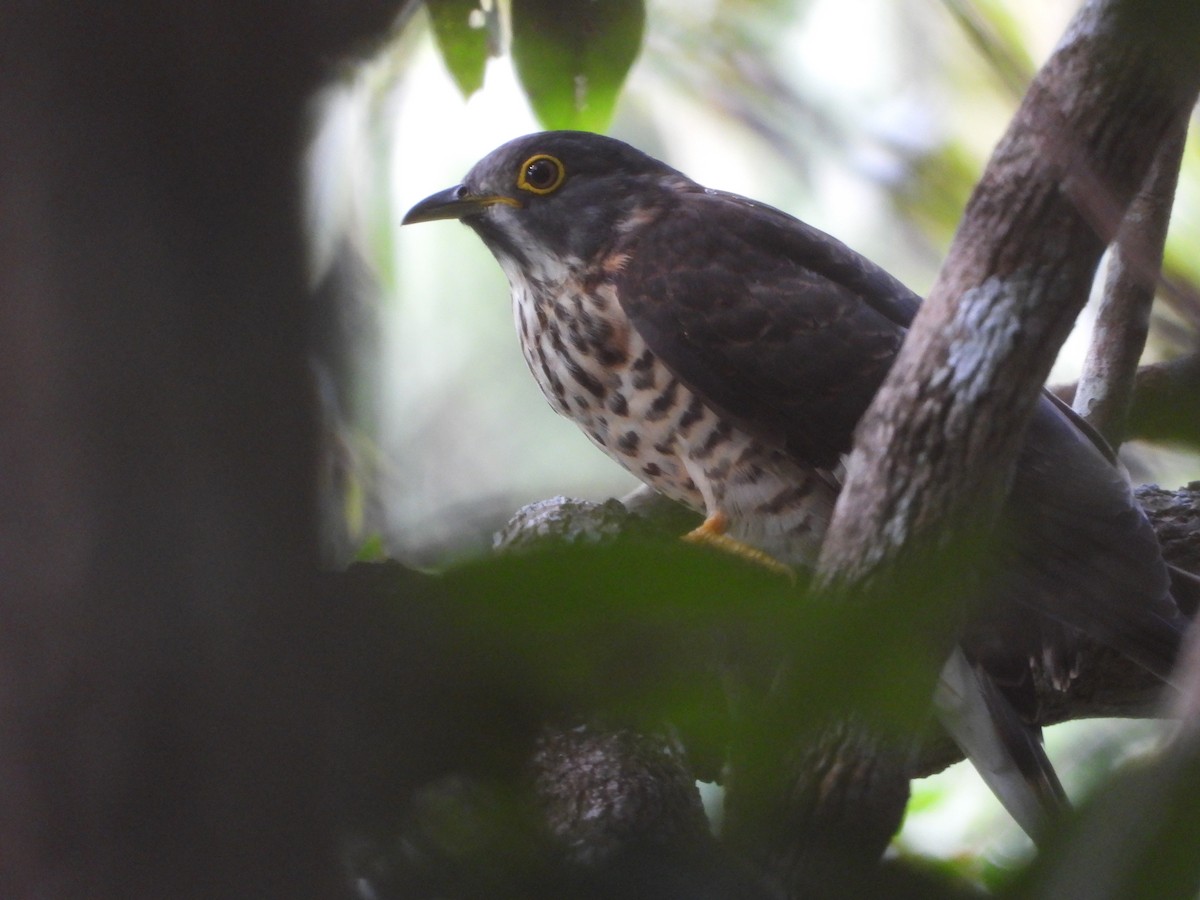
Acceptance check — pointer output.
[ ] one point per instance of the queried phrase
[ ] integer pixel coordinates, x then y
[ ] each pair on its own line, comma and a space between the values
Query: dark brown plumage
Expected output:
723, 352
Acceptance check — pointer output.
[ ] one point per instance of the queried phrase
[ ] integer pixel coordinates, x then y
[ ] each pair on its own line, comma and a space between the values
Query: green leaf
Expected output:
459, 26
572, 57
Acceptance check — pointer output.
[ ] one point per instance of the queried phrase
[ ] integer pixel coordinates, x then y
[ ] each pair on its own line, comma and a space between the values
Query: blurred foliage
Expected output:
1136, 839
941, 184
994, 30
625, 630
645, 632
650, 630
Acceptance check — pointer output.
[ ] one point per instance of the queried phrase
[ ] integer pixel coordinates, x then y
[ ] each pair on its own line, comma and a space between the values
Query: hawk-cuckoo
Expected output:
723, 352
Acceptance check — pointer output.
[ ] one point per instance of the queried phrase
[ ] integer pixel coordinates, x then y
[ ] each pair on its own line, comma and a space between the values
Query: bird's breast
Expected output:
595, 369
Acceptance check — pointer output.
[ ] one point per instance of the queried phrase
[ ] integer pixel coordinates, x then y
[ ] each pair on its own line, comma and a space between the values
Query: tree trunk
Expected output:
157, 514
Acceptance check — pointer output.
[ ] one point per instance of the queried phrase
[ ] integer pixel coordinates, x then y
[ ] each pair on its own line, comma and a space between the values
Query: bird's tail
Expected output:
1006, 750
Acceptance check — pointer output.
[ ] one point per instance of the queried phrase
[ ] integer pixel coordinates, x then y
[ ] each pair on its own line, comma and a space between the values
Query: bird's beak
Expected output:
452, 203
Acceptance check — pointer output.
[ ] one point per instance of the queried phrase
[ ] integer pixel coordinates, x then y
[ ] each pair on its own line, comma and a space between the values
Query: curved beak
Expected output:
452, 203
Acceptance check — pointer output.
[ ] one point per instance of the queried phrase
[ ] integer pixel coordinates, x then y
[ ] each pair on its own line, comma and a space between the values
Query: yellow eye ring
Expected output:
541, 174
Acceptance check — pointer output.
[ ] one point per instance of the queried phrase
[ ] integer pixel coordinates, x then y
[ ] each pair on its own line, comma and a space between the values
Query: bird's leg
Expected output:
712, 533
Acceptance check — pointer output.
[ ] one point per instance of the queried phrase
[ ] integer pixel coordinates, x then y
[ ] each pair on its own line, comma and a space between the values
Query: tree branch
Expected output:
603, 791
1105, 391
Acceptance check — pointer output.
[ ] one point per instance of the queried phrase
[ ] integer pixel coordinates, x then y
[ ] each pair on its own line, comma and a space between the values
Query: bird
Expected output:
723, 352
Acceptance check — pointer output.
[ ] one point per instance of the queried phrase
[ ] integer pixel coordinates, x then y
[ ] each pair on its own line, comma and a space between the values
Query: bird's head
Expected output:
553, 198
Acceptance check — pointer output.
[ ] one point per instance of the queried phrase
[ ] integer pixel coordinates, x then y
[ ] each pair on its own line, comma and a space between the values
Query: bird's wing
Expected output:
777, 324
789, 331
1078, 549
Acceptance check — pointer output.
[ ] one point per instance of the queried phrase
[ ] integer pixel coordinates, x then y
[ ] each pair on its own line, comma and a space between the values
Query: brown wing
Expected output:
791, 332
776, 323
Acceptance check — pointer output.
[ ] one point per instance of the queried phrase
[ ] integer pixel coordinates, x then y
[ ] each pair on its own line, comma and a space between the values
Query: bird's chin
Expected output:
498, 239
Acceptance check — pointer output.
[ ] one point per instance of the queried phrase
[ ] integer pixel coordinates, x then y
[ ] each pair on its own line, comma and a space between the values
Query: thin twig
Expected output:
1105, 389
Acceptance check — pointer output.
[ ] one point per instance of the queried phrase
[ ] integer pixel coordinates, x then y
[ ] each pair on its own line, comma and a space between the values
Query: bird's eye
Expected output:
541, 174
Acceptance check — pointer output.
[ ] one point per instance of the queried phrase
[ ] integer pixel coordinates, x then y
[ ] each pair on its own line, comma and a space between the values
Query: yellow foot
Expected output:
712, 534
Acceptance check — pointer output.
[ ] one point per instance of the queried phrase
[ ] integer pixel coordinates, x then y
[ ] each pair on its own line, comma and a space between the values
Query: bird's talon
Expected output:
711, 533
